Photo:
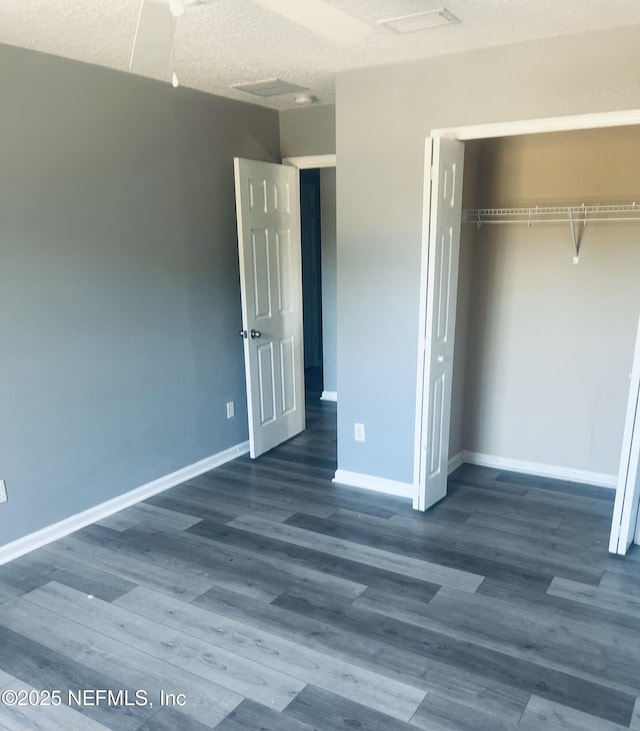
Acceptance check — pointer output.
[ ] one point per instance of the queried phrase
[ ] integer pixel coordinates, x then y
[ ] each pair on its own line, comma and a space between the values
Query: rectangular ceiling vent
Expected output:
420, 21
269, 87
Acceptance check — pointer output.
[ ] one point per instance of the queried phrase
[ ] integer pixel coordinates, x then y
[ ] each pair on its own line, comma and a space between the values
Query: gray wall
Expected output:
329, 313
308, 131
551, 343
119, 284
382, 117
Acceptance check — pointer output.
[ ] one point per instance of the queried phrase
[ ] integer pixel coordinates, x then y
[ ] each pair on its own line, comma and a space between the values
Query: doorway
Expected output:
506, 130
270, 254
311, 241
318, 238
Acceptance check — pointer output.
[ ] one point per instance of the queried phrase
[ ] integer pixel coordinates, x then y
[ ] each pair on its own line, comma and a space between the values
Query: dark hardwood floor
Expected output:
274, 599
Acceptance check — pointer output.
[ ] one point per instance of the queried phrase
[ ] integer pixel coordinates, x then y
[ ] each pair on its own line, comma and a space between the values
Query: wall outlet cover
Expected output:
358, 432
231, 410
3, 492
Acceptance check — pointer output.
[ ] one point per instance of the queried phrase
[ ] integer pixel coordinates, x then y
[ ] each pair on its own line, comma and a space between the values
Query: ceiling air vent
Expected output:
420, 21
269, 87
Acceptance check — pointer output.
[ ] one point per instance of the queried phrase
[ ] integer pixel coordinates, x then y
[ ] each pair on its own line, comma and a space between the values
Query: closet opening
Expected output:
544, 343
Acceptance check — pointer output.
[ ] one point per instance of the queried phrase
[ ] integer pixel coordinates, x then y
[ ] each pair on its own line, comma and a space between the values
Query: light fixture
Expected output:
304, 100
178, 8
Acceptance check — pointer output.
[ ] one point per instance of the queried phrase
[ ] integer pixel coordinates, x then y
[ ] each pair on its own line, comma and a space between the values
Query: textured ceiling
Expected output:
226, 42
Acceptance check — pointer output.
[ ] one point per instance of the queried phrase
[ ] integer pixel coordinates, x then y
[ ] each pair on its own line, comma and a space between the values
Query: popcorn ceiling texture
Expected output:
226, 42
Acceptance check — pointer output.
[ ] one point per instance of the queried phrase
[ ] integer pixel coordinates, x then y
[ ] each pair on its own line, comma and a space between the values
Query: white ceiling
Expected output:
227, 42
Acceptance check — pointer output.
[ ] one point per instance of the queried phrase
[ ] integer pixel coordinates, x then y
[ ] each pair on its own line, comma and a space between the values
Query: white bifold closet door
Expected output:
440, 282
624, 525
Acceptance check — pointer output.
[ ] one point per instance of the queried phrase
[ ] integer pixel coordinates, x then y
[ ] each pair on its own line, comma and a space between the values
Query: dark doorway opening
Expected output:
311, 234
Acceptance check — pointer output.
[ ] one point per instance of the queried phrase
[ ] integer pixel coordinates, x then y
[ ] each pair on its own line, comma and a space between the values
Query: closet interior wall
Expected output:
544, 346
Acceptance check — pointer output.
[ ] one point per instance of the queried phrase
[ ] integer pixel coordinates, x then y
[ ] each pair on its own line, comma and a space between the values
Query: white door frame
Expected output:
312, 162
473, 132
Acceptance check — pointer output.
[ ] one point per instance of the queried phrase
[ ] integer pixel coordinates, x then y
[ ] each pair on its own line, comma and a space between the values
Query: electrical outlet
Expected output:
3, 492
231, 410
358, 432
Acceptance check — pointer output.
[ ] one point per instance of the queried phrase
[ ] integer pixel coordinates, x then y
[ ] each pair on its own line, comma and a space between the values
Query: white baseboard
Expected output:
329, 396
58, 530
540, 469
456, 461
377, 484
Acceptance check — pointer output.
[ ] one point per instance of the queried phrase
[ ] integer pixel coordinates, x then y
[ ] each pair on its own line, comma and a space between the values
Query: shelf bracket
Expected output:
576, 237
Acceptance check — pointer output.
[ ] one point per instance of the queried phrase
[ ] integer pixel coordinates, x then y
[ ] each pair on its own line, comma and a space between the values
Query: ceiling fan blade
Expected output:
321, 18
154, 38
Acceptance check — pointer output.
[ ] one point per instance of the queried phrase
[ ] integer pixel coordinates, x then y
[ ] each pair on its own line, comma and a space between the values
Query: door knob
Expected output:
255, 334
243, 333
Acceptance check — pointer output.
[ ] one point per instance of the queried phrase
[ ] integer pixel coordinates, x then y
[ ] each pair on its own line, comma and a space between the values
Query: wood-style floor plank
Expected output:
147, 573
278, 487
44, 669
311, 666
38, 568
535, 635
147, 513
330, 712
210, 662
306, 558
206, 702
620, 583
437, 713
397, 563
249, 716
596, 596
272, 574
498, 557
208, 491
44, 718
170, 719
525, 600
558, 486
545, 715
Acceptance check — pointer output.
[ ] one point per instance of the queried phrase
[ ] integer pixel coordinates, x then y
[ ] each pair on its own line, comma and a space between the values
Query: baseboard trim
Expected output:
329, 396
542, 470
62, 528
456, 461
377, 484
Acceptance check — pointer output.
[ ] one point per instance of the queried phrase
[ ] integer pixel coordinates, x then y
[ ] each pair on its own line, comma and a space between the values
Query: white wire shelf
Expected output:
553, 214
573, 215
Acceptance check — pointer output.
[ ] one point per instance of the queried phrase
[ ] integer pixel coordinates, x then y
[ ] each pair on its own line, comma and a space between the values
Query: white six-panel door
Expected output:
445, 209
268, 213
624, 524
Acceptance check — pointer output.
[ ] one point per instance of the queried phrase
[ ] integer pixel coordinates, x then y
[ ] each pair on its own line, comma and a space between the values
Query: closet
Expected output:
548, 302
